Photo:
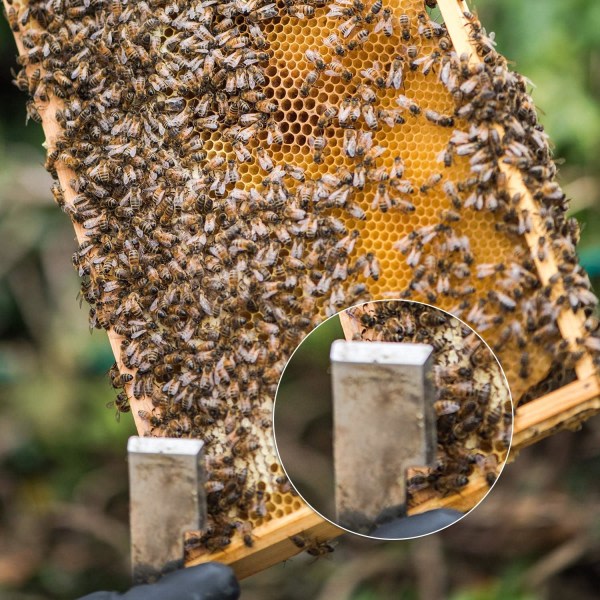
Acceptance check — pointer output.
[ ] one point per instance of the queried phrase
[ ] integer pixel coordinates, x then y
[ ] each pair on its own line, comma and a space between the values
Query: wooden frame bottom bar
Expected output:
272, 543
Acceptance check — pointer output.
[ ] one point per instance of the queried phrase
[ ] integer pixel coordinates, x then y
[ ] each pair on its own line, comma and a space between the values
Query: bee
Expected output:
347, 27
375, 75
336, 69
274, 134
439, 119
404, 21
467, 426
316, 548
493, 416
461, 389
376, 7
332, 41
432, 318
408, 104
382, 199
345, 246
429, 61
214, 544
450, 483
446, 407
309, 82
317, 144
369, 265
12, 15
283, 484
449, 216
326, 117
349, 110
301, 11
452, 372
417, 482
295, 172
524, 365
488, 465
299, 541
264, 160
395, 76
313, 547
542, 249
505, 301
431, 182
385, 23
366, 93
314, 56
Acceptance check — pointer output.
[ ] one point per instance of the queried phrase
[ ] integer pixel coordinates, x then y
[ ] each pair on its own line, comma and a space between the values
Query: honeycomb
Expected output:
474, 412
418, 141
235, 174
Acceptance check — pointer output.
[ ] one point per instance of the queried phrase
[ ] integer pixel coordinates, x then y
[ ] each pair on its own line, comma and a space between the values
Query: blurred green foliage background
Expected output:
63, 481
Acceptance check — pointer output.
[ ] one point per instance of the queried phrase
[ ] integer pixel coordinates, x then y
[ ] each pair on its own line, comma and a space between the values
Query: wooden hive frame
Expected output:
566, 407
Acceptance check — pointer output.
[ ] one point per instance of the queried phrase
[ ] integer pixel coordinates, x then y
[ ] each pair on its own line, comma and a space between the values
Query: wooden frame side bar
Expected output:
569, 323
52, 130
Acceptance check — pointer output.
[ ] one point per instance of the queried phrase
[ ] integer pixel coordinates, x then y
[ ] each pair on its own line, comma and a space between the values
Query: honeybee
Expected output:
524, 365
313, 547
375, 75
395, 76
213, 544
366, 93
452, 194
347, 27
439, 119
349, 110
408, 104
432, 181
326, 117
317, 144
309, 82
332, 41
428, 62
382, 199
453, 372
465, 427
274, 134
336, 69
446, 407
369, 265
385, 23
488, 464
317, 548
314, 56
450, 483
404, 21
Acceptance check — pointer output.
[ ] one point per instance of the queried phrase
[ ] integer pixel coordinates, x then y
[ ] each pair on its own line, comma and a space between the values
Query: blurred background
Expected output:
63, 480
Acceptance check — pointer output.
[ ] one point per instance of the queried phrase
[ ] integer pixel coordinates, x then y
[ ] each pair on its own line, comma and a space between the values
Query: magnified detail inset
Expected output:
389, 410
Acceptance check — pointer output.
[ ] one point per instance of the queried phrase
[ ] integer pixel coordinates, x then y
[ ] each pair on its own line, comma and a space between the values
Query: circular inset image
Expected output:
393, 419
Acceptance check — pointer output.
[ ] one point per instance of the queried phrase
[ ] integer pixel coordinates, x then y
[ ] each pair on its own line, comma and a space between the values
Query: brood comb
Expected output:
236, 171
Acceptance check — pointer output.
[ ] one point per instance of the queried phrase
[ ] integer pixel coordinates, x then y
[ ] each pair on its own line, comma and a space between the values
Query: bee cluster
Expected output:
474, 414
421, 137
241, 169
501, 128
